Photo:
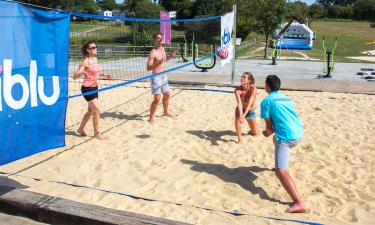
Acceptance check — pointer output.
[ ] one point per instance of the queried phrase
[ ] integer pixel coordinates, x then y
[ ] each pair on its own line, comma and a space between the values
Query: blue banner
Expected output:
34, 47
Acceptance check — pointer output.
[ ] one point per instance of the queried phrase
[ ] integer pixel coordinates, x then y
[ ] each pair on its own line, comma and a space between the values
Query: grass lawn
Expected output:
352, 38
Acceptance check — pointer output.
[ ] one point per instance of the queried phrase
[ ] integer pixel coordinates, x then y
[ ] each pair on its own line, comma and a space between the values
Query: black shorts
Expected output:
89, 97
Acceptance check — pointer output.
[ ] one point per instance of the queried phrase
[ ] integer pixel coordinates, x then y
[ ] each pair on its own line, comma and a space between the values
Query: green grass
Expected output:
352, 38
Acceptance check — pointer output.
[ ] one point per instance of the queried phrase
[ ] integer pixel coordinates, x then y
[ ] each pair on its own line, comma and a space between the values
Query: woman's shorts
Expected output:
251, 115
89, 97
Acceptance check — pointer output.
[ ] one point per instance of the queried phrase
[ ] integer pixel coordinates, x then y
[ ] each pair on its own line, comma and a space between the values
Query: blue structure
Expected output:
296, 36
33, 80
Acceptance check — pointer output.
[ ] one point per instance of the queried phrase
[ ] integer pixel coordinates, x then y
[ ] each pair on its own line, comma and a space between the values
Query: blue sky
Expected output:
309, 2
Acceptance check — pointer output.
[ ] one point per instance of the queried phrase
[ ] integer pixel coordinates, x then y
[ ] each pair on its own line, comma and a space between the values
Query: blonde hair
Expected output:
250, 76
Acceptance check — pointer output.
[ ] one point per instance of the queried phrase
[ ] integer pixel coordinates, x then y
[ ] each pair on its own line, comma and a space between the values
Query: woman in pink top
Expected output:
90, 71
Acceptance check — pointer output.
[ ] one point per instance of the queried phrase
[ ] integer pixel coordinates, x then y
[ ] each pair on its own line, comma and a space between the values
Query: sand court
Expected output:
192, 161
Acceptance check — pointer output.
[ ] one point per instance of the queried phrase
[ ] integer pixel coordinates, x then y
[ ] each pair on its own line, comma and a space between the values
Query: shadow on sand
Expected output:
243, 176
213, 136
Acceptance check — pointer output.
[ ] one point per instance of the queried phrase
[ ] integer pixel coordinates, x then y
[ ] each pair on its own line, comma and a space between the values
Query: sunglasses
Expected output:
93, 47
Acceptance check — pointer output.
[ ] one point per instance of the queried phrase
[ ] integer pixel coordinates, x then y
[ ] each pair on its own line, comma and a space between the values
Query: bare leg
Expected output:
254, 129
85, 119
153, 108
237, 124
165, 104
289, 185
96, 119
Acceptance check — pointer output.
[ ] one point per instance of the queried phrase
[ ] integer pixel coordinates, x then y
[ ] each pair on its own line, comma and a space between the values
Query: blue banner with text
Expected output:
34, 51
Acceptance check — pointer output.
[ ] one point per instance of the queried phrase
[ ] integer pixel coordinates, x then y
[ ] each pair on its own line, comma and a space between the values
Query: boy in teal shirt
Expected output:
281, 118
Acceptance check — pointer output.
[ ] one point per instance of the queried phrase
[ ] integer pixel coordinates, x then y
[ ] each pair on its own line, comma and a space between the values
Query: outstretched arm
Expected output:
106, 76
173, 54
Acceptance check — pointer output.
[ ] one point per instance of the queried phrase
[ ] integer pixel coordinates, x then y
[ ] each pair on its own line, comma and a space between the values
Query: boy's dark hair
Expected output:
158, 33
273, 82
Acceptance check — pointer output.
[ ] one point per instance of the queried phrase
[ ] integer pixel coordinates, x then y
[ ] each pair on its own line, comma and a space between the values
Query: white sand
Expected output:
193, 159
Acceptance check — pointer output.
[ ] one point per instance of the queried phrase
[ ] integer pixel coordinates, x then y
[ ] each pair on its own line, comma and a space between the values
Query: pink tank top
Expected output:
93, 73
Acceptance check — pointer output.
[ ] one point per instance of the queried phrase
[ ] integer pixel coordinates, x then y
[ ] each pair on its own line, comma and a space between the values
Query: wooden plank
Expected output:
72, 211
53, 210
21, 201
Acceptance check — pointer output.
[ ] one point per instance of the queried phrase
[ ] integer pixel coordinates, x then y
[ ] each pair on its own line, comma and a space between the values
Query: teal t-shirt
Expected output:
280, 109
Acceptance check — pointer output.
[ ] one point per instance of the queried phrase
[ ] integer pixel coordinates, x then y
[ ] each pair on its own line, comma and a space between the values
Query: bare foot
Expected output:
81, 133
101, 137
239, 141
297, 208
151, 120
168, 114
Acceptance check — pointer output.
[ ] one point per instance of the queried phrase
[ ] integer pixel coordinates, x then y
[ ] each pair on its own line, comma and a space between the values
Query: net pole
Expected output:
234, 44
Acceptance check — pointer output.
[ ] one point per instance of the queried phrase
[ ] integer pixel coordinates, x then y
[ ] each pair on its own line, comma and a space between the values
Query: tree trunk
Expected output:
266, 47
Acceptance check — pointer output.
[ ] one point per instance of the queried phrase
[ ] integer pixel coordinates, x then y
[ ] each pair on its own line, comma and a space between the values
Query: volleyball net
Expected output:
40, 53
123, 46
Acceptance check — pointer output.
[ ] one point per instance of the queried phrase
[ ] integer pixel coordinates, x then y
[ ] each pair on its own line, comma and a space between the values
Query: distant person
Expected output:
159, 84
281, 118
89, 69
245, 110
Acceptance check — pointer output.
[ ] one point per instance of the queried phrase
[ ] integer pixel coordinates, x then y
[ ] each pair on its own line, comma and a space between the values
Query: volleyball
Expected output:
222, 52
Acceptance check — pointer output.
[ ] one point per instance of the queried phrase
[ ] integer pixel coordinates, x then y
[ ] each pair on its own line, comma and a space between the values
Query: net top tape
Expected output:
92, 16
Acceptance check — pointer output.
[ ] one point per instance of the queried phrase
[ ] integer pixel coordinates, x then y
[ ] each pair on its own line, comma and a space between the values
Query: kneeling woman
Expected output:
245, 96
90, 71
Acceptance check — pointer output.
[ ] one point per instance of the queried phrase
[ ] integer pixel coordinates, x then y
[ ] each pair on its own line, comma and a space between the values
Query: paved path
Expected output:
298, 75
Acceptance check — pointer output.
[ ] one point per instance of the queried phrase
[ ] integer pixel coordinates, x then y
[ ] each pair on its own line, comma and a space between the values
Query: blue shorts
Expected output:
251, 115
159, 84
282, 152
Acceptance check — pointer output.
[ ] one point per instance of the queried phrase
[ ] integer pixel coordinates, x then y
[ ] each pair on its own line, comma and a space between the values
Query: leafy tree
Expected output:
207, 7
245, 16
86, 6
107, 4
298, 9
336, 2
183, 8
364, 10
316, 11
269, 15
142, 31
325, 2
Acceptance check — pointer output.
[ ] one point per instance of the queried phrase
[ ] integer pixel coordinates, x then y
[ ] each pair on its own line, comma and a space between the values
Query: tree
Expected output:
364, 10
107, 4
316, 11
245, 16
298, 9
325, 2
269, 15
336, 2
86, 6
207, 7
183, 8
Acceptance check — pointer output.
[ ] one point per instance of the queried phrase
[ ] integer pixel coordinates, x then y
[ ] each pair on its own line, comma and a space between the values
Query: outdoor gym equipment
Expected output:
328, 60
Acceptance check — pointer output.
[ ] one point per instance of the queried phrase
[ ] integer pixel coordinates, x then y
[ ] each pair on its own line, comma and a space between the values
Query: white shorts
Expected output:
159, 84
